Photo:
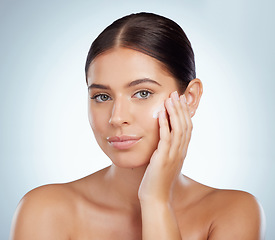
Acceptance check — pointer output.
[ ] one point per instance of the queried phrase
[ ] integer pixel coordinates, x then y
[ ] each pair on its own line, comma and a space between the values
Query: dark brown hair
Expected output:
154, 35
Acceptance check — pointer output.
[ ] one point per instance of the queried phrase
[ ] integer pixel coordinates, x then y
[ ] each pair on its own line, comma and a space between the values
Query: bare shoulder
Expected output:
223, 214
53, 211
44, 213
237, 215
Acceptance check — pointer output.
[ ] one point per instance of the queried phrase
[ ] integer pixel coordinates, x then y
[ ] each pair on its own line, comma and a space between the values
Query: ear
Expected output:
193, 94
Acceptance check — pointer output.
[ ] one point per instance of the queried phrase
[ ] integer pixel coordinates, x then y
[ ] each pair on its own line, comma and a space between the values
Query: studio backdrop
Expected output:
45, 136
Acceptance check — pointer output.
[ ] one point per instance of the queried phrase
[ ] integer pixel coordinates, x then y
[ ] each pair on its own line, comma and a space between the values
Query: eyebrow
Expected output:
131, 84
100, 86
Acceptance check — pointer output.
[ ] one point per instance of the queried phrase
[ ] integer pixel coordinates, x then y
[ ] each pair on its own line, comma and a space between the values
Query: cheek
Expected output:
91, 116
148, 121
97, 120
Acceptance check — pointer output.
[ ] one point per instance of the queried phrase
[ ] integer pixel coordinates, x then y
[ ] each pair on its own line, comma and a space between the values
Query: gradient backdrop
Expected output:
44, 130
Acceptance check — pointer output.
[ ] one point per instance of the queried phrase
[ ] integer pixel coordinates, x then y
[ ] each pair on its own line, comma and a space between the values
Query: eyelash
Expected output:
97, 96
144, 90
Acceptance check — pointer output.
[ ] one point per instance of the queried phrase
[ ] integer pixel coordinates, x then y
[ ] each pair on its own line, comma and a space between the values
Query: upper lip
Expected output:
122, 138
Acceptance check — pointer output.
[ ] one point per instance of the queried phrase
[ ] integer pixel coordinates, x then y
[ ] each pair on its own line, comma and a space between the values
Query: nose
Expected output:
120, 113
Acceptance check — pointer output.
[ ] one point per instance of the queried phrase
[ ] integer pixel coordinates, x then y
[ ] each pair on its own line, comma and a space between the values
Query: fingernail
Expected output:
175, 95
156, 114
183, 98
169, 100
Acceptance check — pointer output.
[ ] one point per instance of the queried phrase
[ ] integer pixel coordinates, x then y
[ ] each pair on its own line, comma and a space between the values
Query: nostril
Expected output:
117, 121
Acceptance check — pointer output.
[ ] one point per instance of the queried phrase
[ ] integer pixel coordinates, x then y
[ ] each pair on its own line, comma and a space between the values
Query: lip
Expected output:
123, 142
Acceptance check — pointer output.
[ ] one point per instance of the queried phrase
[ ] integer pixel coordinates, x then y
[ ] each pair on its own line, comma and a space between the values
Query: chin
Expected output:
129, 162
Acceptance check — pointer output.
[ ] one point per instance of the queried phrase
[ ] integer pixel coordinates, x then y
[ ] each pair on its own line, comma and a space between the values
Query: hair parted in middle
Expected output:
154, 35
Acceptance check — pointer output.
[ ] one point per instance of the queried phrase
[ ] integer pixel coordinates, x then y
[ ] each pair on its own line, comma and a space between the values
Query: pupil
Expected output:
103, 97
144, 94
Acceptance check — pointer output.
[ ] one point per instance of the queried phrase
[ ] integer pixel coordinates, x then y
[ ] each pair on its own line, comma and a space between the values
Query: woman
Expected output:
142, 94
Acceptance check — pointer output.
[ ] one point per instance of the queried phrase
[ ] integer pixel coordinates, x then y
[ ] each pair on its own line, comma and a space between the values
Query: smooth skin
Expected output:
143, 194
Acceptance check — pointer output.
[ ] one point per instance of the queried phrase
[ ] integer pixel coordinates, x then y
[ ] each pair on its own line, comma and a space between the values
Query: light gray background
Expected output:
45, 135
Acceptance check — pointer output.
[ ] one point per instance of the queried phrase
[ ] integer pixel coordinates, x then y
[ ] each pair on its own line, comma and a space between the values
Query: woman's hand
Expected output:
166, 162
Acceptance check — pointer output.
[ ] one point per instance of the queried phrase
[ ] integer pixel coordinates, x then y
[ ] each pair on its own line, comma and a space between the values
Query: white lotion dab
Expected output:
158, 110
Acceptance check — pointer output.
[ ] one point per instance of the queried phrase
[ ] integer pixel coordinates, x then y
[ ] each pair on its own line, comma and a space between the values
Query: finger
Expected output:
189, 124
173, 105
164, 133
182, 120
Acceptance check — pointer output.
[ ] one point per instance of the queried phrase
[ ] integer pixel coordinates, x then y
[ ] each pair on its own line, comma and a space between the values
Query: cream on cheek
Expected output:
157, 110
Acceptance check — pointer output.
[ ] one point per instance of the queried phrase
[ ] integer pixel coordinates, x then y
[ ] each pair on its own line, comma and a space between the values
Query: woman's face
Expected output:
126, 87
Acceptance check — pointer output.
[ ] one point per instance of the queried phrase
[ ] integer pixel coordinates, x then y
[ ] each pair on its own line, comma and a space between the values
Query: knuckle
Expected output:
178, 134
178, 145
191, 126
166, 139
185, 127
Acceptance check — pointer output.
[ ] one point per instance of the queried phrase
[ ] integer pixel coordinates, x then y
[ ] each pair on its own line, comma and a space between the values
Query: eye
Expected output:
143, 94
101, 97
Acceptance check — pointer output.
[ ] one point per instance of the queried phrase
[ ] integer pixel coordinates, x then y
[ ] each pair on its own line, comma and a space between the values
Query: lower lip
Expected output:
124, 144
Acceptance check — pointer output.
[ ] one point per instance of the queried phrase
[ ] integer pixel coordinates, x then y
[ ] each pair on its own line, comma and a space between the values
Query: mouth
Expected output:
123, 142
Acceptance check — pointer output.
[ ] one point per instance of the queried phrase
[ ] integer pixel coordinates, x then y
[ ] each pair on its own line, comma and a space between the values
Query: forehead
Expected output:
121, 65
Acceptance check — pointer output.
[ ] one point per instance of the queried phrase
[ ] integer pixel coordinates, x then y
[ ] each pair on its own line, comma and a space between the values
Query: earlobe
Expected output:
193, 94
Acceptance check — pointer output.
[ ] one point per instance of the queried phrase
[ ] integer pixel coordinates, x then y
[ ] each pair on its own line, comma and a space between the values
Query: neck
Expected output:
124, 184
